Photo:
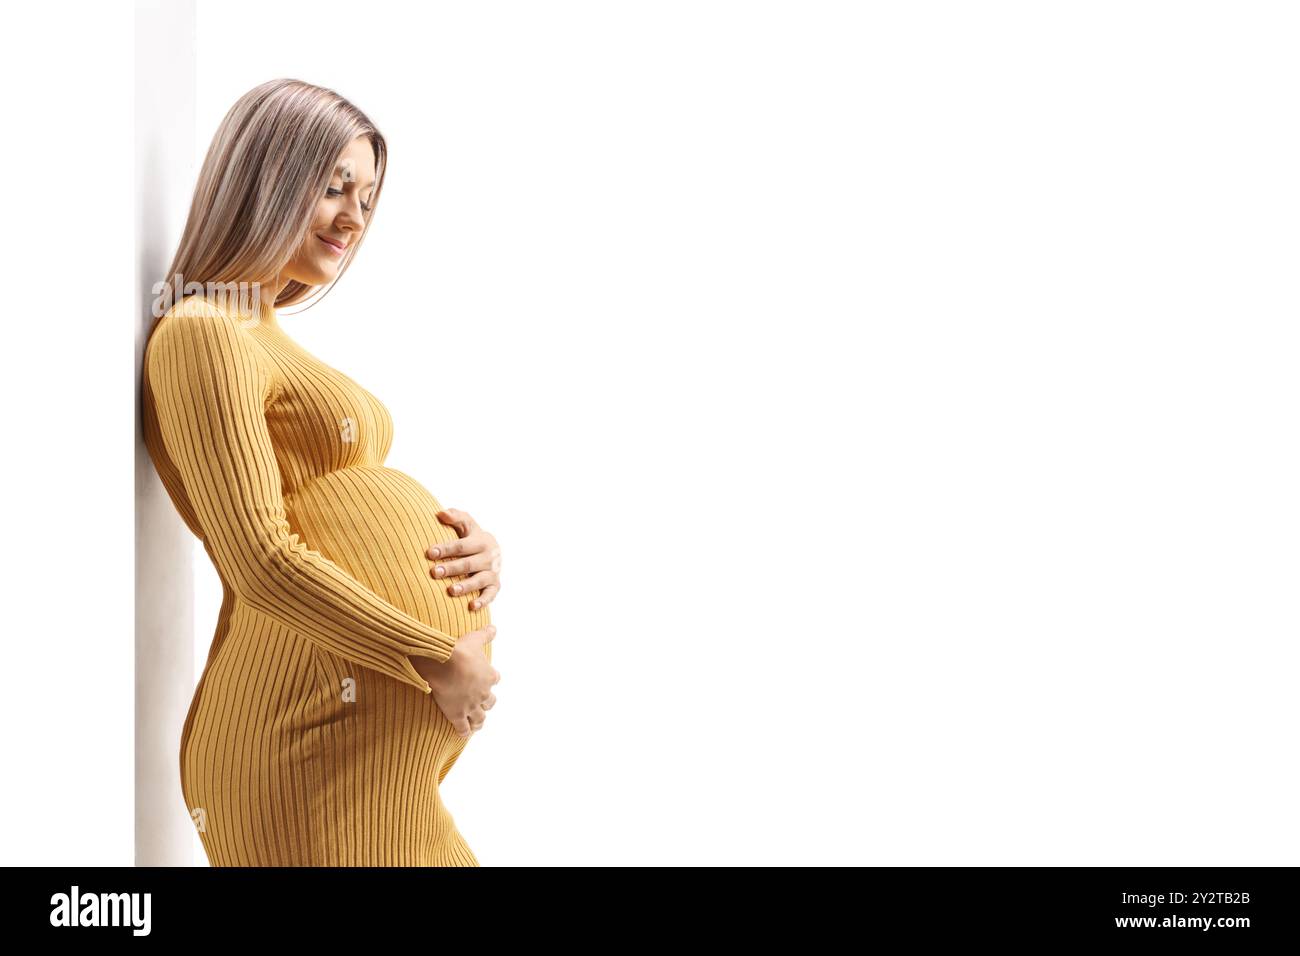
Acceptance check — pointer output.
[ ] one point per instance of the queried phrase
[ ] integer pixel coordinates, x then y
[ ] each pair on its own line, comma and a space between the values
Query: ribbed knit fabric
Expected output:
311, 739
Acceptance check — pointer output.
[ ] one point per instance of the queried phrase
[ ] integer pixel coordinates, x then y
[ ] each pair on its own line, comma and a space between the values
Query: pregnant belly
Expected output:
377, 524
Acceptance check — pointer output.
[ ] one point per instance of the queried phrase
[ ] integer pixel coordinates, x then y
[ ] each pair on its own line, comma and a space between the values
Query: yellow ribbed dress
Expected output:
311, 739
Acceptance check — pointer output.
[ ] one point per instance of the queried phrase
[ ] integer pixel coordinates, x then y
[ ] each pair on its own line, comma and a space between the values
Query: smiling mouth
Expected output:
336, 247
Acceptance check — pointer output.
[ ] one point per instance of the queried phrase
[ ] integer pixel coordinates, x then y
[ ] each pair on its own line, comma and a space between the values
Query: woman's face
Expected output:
339, 219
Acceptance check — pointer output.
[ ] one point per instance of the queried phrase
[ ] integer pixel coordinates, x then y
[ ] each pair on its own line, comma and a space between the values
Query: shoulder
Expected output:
198, 305
200, 328
199, 315
204, 309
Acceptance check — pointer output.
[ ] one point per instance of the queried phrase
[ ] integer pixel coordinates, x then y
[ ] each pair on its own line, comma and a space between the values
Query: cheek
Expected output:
313, 247
323, 222
308, 252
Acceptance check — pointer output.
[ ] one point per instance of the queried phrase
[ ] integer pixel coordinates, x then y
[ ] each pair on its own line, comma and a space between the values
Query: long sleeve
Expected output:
209, 386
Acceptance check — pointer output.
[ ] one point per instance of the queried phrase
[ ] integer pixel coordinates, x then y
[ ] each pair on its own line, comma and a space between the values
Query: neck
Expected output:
253, 309
269, 292
265, 313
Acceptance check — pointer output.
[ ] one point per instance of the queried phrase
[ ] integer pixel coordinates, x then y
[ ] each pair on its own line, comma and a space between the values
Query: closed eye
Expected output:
333, 192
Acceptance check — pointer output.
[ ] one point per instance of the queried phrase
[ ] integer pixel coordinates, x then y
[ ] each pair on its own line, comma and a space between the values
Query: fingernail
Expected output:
437, 572
434, 552
455, 589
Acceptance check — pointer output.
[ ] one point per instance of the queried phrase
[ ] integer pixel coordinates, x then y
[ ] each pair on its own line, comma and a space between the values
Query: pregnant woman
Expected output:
351, 660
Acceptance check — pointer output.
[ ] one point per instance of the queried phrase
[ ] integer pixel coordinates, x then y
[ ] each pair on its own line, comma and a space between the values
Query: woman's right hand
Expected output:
462, 684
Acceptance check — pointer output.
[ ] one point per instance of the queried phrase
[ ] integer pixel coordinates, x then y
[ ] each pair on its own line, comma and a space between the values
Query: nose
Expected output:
350, 216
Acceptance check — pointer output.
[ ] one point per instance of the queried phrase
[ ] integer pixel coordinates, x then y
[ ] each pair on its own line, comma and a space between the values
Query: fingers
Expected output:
453, 518
471, 723
471, 538
474, 719
480, 636
484, 599
486, 582
445, 549
473, 552
460, 520
449, 549
475, 562
475, 582
470, 541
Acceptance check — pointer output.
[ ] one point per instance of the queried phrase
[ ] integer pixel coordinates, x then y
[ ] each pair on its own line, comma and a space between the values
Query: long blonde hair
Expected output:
269, 164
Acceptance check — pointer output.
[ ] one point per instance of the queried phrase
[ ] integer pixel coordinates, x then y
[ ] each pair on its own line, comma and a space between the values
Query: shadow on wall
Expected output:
164, 590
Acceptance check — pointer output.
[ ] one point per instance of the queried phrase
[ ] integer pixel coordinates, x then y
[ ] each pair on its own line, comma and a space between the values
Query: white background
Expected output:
887, 413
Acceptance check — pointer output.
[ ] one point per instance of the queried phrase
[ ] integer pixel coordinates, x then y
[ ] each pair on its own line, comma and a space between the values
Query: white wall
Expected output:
166, 655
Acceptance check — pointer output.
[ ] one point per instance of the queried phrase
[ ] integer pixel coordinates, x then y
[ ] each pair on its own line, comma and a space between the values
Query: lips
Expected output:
338, 246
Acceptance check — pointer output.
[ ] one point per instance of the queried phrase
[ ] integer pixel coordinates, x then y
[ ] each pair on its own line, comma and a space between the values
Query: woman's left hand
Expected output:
476, 553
